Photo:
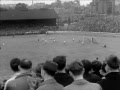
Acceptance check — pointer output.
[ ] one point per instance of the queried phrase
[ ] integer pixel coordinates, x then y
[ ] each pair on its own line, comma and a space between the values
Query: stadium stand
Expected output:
19, 22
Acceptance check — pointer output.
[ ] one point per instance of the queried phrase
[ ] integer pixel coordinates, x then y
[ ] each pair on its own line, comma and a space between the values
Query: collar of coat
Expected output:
80, 82
24, 74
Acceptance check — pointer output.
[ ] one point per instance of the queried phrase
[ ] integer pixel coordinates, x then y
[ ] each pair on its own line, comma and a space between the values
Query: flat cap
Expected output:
50, 65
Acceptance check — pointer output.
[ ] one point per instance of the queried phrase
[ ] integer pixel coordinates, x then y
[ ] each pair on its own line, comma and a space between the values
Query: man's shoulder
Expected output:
16, 82
50, 87
88, 85
11, 83
19, 81
43, 87
94, 84
69, 87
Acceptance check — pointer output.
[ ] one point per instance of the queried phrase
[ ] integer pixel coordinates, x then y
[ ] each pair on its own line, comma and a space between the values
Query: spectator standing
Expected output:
24, 80
96, 67
88, 75
14, 65
112, 78
76, 70
61, 76
48, 71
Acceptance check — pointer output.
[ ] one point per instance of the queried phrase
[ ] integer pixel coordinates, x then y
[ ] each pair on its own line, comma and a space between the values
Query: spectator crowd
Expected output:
57, 75
24, 28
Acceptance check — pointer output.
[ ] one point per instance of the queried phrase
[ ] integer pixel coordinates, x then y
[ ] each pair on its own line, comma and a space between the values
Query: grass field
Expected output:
29, 47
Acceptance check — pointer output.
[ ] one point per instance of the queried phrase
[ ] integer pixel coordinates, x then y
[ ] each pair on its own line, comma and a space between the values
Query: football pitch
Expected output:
39, 48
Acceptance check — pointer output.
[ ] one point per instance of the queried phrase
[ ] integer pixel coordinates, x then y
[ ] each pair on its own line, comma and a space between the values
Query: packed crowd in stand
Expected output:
99, 23
7, 29
57, 75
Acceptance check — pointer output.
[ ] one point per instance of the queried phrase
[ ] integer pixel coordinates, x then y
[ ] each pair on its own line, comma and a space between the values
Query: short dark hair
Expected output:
50, 67
113, 62
87, 65
61, 61
76, 68
25, 64
14, 63
96, 65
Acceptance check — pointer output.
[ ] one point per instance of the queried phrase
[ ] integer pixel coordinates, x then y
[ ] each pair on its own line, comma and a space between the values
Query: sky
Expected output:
29, 2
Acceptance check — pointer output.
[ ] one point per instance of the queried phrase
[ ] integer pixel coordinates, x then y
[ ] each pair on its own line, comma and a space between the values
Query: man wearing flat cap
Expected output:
48, 71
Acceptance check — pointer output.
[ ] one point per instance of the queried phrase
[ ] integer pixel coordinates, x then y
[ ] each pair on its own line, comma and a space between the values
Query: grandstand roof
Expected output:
28, 14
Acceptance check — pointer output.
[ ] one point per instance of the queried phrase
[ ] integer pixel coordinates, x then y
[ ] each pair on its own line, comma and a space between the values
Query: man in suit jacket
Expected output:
112, 78
76, 70
24, 80
14, 65
48, 71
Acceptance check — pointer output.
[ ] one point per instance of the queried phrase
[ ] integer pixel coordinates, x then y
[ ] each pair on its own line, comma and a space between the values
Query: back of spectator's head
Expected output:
113, 62
96, 65
14, 64
50, 67
61, 61
26, 64
87, 65
76, 68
